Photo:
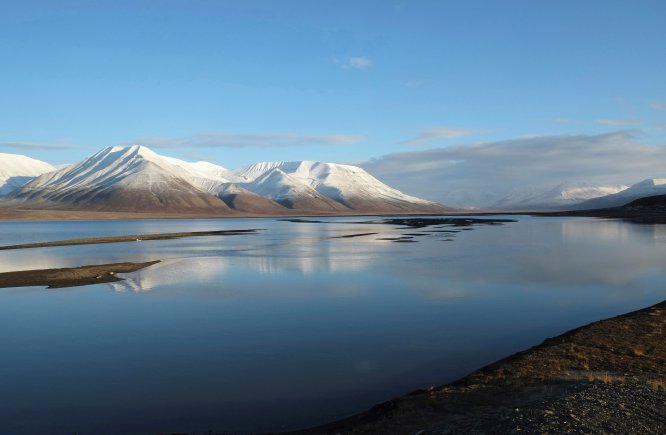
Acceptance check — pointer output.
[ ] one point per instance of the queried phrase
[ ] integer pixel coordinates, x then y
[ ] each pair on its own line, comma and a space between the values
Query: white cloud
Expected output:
478, 173
658, 105
434, 134
39, 146
619, 122
565, 121
360, 62
247, 140
357, 62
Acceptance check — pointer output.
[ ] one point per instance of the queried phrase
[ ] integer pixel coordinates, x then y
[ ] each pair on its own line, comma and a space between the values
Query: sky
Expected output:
441, 98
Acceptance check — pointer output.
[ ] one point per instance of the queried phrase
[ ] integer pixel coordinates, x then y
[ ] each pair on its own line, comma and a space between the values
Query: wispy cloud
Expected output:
565, 121
477, 174
415, 83
658, 105
247, 140
435, 134
619, 122
40, 146
355, 62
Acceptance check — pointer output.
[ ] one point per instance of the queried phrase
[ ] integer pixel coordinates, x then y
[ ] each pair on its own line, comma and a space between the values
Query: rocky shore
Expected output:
606, 377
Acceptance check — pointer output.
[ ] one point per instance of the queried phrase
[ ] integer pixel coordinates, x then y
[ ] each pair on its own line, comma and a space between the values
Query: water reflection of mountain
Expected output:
305, 258
174, 271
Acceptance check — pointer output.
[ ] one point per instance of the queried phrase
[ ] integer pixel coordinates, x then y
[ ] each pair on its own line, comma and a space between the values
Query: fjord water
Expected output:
289, 327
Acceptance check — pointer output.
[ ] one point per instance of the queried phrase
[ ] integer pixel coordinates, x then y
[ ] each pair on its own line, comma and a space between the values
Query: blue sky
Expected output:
236, 82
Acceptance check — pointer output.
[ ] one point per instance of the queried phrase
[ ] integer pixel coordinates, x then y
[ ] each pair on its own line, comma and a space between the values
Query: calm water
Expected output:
289, 328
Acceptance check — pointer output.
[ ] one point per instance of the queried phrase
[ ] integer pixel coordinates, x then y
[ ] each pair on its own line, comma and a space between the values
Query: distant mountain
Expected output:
138, 179
642, 189
17, 170
563, 196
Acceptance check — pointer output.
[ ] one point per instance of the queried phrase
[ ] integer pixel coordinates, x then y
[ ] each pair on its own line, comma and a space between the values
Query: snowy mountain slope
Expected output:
205, 176
120, 179
16, 170
212, 179
291, 192
642, 189
562, 196
348, 185
243, 200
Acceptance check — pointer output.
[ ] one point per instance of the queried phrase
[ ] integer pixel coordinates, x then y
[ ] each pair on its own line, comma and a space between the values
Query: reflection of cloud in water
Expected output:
599, 229
567, 257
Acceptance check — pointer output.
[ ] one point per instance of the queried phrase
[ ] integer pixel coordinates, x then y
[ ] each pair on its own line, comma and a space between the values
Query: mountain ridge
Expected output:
137, 179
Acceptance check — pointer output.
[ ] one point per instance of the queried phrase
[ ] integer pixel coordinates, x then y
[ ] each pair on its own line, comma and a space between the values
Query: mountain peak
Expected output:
651, 182
128, 151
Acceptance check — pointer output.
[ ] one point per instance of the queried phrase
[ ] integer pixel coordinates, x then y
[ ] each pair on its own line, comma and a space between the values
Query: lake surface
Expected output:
290, 328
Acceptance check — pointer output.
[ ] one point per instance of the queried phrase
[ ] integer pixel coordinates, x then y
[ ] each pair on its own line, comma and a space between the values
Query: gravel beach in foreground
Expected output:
605, 377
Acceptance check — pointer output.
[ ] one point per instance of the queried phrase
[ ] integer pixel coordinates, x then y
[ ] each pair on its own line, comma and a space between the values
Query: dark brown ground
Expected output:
128, 238
32, 215
606, 377
70, 277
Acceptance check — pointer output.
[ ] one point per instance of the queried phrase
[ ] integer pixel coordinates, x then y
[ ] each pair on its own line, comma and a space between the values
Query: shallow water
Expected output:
290, 328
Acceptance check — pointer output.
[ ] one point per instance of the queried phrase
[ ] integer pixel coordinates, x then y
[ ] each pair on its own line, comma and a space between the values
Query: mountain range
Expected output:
136, 179
560, 197
580, 196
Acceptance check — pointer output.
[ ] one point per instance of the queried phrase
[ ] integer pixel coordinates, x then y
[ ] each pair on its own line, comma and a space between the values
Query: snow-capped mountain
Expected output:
348, 185
562, 196
138, 179
120, 179
642, 189
16, 170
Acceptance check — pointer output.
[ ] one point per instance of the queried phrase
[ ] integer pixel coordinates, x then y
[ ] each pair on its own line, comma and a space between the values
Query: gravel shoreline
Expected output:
605, 377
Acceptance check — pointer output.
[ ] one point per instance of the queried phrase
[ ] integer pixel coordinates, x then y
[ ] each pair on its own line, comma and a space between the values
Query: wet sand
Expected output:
70, 277
128, 238
605, 377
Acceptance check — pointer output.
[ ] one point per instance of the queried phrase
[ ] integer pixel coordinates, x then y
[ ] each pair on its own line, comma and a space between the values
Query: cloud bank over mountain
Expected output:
478, 174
